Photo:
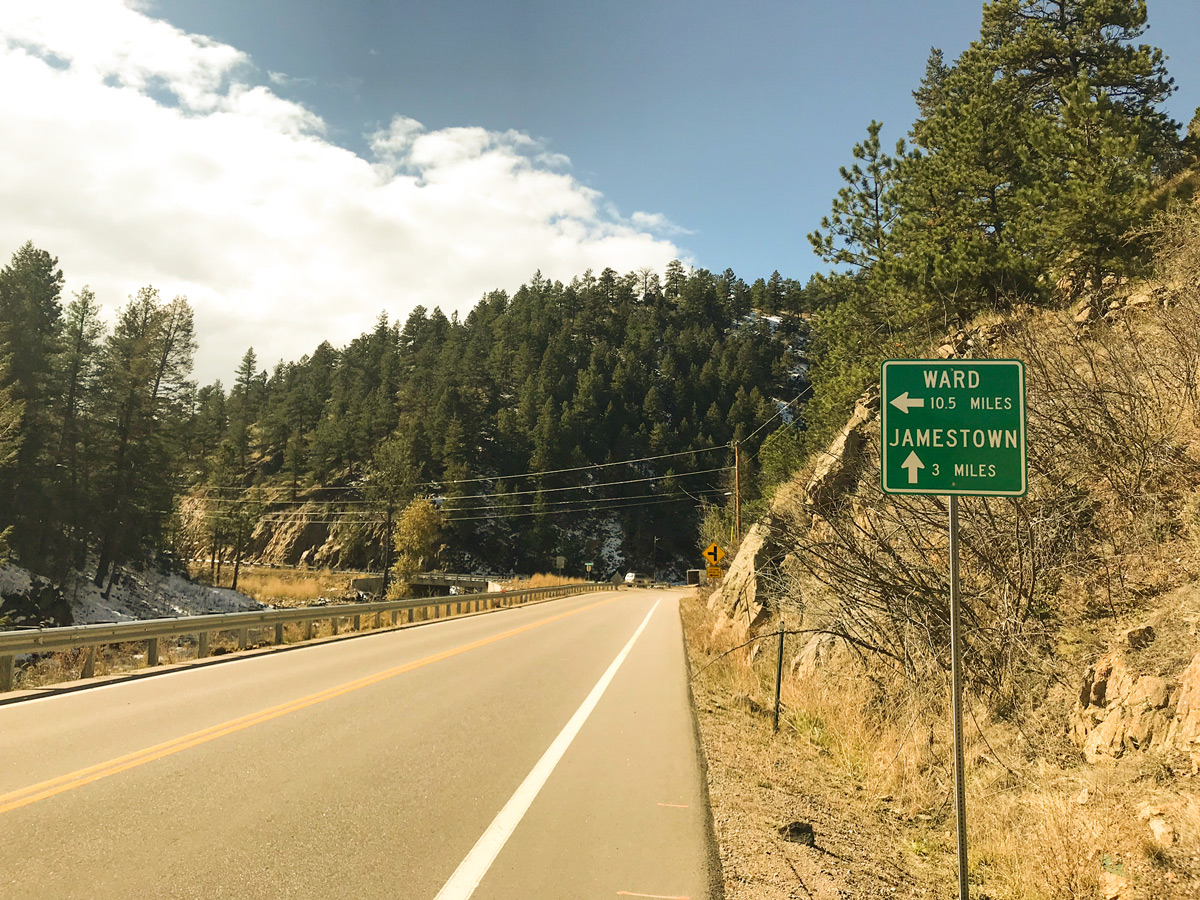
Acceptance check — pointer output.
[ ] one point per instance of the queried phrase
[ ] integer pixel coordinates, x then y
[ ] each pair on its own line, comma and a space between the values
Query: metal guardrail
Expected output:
151, 631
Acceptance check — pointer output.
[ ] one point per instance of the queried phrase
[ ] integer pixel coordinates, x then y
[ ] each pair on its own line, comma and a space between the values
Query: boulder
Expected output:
29, 600
1164, 834
1137, 638
1113, 886
821, 654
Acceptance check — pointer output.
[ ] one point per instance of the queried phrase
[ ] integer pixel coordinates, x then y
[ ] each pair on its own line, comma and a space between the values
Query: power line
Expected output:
559, 512
778, 413
506, 494
488, 478
580, 506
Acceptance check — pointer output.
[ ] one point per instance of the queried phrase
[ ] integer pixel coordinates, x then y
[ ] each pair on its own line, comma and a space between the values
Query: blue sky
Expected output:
731, 119
294, 166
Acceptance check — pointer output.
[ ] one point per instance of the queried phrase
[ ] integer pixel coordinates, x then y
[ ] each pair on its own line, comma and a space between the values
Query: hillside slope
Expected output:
1081, 603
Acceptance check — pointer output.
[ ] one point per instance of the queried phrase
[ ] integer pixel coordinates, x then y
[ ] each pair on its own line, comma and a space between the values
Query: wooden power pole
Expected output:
737, 491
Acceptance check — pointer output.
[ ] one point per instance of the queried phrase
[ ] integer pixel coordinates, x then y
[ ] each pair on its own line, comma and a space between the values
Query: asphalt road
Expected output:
538, 752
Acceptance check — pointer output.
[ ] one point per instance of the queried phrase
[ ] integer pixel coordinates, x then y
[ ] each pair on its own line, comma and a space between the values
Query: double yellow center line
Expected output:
63, 783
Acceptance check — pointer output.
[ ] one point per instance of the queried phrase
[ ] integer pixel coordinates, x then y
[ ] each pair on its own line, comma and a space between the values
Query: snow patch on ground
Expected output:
14, 580
612, 542
150, 595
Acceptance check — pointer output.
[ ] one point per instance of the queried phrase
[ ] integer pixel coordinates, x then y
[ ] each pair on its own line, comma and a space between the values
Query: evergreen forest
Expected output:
541, 424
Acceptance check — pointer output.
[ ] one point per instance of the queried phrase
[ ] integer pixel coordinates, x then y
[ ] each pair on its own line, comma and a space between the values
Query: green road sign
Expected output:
953, 427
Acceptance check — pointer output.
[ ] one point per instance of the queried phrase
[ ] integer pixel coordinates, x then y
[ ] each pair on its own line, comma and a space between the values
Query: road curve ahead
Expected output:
538, 752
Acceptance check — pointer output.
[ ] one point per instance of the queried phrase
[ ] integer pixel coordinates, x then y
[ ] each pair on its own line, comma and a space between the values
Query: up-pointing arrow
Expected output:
904, 403
912, 463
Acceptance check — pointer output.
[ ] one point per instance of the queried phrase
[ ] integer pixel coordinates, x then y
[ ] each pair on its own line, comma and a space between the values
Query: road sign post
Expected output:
954, 427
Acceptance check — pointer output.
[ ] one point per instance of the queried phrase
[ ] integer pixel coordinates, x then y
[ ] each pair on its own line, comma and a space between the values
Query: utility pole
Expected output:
387, 550
737, 491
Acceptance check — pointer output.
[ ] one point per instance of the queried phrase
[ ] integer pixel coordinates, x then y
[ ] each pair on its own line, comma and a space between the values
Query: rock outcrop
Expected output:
1120, 711
28, 600
739, 601
1184, 734
839, 465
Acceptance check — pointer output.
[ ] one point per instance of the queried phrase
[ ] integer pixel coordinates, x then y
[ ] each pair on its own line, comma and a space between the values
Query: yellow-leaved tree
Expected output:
417, 543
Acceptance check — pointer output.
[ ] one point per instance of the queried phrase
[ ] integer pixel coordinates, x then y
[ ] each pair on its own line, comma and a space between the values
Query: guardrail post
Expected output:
410, 613
333, 624
202, 649
358, 623
377, 621
243, 638
7, 664
152, 652
278, 633
89, 664
308, 630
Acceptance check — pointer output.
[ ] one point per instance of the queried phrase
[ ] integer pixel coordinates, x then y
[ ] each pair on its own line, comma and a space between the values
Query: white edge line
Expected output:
475, 865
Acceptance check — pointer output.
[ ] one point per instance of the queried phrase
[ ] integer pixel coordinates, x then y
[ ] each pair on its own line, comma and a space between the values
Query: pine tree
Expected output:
855, 233
1035, 150
147, 361
243, 406
11, 412
31, 329
77, 451
391, 483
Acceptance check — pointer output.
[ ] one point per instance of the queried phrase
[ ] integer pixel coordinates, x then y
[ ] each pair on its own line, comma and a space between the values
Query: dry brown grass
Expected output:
1041, 826
540, 579
283, 587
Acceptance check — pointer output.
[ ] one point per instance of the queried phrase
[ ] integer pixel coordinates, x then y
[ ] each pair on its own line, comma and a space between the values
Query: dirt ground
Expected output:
760, 782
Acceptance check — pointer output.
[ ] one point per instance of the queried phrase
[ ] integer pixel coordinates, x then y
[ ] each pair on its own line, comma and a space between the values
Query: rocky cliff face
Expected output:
299, 536
740, 600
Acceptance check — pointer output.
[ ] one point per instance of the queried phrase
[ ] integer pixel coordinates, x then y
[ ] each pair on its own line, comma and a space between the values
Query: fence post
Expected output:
779, 675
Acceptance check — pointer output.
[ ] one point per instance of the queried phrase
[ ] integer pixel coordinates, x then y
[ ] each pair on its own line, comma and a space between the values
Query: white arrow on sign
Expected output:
904, 403
912, 464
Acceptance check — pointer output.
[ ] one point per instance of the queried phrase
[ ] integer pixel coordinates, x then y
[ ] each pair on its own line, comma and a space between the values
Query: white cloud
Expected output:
657, 223
283, 79
147, 156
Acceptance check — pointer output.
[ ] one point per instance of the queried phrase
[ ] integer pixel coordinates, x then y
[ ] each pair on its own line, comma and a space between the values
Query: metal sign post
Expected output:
960, 781
954, 428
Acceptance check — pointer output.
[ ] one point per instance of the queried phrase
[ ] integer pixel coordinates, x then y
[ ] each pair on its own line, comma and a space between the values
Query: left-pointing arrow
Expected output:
904, 403
912, 463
